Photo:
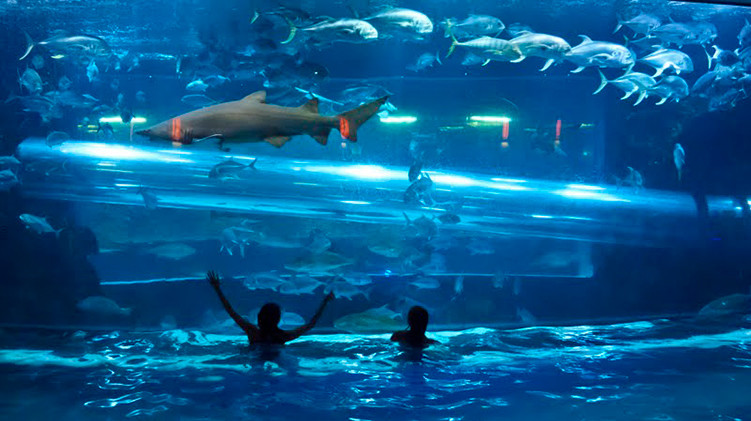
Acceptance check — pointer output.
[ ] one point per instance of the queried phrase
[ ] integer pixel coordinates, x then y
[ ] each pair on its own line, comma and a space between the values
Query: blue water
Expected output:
649, 370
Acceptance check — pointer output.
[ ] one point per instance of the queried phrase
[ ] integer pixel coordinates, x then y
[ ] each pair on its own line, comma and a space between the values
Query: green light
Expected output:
401, 119
118, 119
490, 119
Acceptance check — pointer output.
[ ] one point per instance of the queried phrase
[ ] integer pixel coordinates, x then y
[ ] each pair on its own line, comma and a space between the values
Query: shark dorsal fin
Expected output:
311, 106
259, 96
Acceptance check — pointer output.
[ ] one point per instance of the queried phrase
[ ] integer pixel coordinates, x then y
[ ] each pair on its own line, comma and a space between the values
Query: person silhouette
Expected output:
417, 318
267, 331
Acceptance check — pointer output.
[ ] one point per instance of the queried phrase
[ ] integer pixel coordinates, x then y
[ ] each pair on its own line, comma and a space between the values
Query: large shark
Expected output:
251, 119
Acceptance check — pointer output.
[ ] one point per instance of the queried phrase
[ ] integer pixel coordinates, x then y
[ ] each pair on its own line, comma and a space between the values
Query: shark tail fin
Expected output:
351, 120
29, 45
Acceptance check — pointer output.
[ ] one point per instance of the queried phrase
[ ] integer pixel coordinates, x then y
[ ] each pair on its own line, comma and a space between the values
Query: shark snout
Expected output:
146, 132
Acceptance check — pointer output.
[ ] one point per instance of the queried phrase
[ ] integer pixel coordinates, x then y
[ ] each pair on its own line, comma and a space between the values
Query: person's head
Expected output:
418, 319
269, 316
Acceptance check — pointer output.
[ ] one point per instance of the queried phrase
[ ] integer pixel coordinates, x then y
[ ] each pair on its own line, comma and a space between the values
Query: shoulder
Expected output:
398, 336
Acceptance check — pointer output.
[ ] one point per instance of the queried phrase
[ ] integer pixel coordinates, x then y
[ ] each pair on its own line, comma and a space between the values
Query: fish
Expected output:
330, 31
391, 247
321, 263
426, 282
9, 162
141, 97
646, 43
633, 179
629, 83
172, 251
449, 218
723, 57
263, 280
71, 99
744, 36
229, 241
8, 179
473, 26
491, 49
600, 54
422, 227
356, 279
150, 200
290, 320
673, 88
727, 306
415, 170
400, 22
37, 224
64, 83
31, 80
270, 238
665, 59
197, 86
318, 242
346, 290
472, 60
643, 23
374, 320
92, 71
300, 284
458, 285
102, 306
230, 168
419, 191
679, 159
56, 138
215, 80
516, 29
37, 62
197, 100
542, 45
47, 108
726, 100
480, 246
690, 33
62, 45
425, 61
251, 119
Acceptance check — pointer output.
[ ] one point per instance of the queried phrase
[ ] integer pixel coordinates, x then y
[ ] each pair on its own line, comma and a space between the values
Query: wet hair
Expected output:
269, 316
418, 319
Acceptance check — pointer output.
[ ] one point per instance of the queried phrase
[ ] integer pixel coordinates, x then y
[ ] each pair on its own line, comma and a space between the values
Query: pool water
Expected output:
649, 370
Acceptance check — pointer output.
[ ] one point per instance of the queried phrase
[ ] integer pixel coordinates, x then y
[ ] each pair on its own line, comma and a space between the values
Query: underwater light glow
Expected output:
115, 152
398, 119
365, 172
355, 202
591, 195
585, 187
490, 119
118, 119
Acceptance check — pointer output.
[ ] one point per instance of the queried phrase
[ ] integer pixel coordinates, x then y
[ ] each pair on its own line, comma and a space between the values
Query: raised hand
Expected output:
213, 278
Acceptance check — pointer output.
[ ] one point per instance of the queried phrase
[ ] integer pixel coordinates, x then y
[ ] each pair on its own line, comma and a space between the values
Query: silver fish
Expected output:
374, 320
102, 306
425, 61
198, 100
342, 30
644, 23
321, 263
629, 83
37, 224
56, 138
473, 26
229, 169
62, 45
264, 280
599, 54
402, 22
197, 86
8, 179
664, 59
542, 45
671, 87
345, 290
490, 49
9, 163
679, 158
31, 80
172, 251
300, 284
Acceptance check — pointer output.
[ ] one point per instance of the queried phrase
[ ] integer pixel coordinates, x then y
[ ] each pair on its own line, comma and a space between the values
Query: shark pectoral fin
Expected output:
662, 101
322, 138
578, 69
259, 96
311, 106
485, 63
278, 141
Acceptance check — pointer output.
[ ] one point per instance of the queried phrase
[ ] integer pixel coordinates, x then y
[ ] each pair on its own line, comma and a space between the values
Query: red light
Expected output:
558, 130
505, 130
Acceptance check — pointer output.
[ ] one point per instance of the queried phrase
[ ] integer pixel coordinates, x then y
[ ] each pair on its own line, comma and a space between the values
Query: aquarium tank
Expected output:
375, 210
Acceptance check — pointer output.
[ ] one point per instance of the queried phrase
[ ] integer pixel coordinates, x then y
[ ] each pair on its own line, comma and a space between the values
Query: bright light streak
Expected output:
585, 187
590, 195
118, 119
542, 216
508, 180
464, 181
493, 119
363, 172
355, 202
116, 152
399, 119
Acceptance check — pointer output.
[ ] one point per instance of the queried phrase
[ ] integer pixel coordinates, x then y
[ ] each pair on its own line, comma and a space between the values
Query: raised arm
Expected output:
296, 333
248, 327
